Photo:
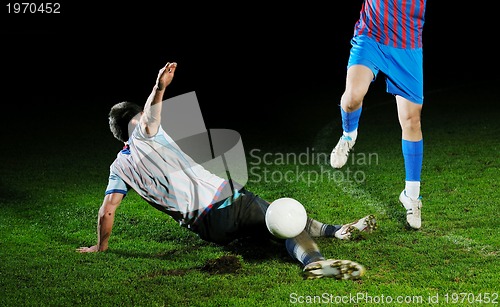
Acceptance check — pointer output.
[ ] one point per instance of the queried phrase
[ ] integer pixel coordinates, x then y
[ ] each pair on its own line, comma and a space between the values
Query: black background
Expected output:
236, 56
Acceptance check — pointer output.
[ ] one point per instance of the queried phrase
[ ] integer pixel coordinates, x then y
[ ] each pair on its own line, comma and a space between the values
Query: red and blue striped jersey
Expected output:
396, 23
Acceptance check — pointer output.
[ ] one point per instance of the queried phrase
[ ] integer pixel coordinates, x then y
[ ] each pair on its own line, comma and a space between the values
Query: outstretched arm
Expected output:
151, 118
104, 223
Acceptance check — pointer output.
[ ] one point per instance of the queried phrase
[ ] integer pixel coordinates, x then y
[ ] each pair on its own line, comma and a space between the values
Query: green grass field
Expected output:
54, 172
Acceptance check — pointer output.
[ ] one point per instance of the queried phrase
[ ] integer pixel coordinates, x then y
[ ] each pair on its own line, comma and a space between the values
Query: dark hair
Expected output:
119, 117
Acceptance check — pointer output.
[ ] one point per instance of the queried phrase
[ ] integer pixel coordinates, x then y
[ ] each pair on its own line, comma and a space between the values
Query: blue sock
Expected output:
413, 153
330, 230
304, 252
350, 120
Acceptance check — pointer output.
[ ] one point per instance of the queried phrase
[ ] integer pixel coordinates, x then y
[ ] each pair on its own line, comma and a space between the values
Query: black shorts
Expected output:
244, 218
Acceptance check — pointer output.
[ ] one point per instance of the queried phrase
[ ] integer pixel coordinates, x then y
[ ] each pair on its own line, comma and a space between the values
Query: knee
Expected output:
410, 122
351, 100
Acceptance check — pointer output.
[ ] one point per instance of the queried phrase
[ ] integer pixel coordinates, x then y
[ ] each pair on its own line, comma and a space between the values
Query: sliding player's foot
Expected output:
355, 229
338, 269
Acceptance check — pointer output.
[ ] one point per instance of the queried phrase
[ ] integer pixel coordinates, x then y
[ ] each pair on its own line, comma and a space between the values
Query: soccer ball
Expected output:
286, 218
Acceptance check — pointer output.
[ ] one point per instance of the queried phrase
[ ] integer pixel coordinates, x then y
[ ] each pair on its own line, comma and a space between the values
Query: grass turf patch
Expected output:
52, 185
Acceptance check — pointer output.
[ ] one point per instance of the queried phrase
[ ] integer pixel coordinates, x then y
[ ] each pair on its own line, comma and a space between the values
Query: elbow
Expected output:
111, 202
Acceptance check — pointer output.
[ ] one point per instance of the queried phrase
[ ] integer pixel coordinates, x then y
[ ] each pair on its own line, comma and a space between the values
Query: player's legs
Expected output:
365, 60
409, 118
304, 249
246, 217
412, 148
358, 80
405, 82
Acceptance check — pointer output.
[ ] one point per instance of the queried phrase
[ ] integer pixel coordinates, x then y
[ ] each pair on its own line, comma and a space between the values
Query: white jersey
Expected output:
167, 178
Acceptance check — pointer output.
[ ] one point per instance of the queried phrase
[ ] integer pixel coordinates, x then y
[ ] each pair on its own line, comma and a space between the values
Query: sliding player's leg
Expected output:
304, 249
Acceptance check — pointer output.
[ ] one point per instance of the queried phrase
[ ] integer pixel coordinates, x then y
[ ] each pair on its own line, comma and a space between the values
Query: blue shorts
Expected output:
403, 68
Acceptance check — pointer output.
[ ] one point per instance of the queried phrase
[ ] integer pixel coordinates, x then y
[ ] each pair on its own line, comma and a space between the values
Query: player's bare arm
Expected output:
151, 118
105, 221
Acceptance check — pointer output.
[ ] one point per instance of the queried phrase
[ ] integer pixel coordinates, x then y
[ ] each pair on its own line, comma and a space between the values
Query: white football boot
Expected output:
340, 153
413, 210
352, 230
338, 269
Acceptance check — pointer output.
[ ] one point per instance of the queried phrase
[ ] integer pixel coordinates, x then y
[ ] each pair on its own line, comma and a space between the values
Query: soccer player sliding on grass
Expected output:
388, 38
216, 209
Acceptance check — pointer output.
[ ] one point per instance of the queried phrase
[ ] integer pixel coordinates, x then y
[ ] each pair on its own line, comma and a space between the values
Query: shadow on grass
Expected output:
250, 249
257, 249
226, 264
396, 212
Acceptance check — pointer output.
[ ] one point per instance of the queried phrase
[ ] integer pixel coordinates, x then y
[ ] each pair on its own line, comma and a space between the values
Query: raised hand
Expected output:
165, 75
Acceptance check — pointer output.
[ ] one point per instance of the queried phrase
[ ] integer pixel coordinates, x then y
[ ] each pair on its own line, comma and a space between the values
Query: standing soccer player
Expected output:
388, 38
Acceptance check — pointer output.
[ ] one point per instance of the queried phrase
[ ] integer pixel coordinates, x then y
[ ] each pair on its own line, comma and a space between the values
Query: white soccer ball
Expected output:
286, 218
